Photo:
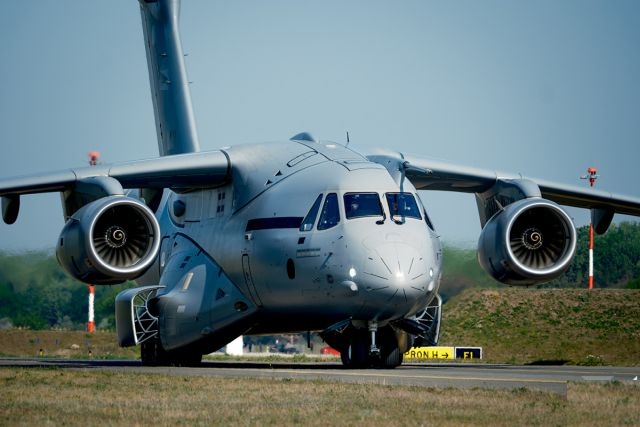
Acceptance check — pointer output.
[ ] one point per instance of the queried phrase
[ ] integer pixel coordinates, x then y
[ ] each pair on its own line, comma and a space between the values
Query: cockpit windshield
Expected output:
358, 205
307, 222
330, 215
403, 205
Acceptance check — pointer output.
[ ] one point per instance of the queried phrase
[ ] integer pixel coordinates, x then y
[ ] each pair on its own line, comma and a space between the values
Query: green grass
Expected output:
37, 396
520, 325
63, 344
513, 325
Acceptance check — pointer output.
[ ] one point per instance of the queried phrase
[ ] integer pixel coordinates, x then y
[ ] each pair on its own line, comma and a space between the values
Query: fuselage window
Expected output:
402, 205
362, 204
307, 222
330, 215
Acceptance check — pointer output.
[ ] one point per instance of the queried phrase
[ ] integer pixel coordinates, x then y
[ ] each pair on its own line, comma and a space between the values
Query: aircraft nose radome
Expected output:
396, 269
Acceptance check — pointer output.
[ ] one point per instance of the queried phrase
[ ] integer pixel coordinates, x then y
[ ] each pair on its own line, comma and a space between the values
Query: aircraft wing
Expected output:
494, 190
182, 172
426, 174
178, 172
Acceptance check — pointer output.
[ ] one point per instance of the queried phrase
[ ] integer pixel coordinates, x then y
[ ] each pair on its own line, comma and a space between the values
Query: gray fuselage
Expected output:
286, 233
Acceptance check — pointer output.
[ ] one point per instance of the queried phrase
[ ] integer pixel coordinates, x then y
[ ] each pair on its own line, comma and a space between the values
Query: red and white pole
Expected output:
591, 256
91, 324
592, 175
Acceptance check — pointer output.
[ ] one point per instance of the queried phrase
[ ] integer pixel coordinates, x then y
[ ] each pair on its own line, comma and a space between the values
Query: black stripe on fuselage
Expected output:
272, 223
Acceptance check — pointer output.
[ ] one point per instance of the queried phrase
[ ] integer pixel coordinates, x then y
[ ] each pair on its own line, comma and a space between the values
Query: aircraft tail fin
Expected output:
175, 121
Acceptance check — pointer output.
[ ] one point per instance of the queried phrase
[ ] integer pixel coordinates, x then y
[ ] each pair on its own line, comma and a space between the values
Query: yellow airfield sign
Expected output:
430, 353
435, 352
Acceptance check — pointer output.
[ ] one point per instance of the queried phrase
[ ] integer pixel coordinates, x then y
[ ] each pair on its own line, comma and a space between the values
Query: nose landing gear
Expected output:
375, 347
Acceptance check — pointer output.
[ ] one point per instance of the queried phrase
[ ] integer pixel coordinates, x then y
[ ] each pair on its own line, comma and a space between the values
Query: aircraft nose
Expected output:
396, 273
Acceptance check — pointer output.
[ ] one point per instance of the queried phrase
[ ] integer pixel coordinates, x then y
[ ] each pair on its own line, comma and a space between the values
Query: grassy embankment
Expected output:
513, 325
519, 325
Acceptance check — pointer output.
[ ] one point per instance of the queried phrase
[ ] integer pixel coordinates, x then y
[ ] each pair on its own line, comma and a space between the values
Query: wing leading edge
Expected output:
183, 172
428, 174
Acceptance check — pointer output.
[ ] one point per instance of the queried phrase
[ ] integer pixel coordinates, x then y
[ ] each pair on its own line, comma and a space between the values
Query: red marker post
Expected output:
91, 324
592, 175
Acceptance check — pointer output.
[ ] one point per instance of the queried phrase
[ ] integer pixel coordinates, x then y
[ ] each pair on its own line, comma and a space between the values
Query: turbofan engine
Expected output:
530, 241
108, 241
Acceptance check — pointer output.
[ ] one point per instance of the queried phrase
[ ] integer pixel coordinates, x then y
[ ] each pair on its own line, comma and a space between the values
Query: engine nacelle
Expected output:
530, 241
110, 240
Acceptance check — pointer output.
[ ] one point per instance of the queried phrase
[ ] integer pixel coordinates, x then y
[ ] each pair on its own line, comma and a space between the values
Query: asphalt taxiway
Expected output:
441, 375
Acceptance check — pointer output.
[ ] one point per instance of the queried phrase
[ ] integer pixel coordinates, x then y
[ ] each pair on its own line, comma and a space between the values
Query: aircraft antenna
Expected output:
347, 139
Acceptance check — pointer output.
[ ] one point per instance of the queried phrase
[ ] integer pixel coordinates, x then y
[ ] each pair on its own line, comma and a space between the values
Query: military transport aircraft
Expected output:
292, 236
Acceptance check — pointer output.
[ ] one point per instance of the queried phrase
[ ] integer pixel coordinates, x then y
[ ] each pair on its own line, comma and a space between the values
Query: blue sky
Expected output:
544, 88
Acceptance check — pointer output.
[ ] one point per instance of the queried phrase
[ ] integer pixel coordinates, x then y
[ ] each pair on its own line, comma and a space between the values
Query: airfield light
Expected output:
93, 157
592, 175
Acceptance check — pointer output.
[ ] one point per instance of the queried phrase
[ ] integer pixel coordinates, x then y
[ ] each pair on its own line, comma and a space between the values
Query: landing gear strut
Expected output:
373, 328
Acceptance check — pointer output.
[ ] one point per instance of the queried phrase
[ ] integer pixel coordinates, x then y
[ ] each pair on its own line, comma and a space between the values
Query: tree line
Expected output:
36, 293
616, 261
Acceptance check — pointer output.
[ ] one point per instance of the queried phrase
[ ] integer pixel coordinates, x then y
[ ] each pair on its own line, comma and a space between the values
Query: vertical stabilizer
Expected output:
175, 122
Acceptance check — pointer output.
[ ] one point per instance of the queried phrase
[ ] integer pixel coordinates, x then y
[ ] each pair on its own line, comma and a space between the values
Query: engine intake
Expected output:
530, 241
108, 241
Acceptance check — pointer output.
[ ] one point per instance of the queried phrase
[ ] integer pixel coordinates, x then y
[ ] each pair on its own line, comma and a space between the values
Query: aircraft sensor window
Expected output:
402, 205
362, 204
307, 222
330, 215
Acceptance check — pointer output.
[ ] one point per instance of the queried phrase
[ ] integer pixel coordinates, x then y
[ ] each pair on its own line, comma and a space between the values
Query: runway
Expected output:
450, 375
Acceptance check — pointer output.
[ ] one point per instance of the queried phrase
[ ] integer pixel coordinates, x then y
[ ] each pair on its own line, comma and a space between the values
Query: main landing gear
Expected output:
152, 354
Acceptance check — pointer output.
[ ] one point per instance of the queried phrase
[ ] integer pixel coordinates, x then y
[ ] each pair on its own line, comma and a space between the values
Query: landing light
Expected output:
352, 272
399, 275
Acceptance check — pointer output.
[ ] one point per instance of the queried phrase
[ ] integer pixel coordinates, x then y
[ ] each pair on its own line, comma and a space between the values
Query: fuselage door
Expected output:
250, 287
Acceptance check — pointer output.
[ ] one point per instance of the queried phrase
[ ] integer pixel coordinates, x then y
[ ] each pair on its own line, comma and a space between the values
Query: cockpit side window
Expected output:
307, 222
402, 205
330, 216
426, 216
358, 205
